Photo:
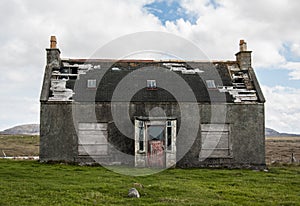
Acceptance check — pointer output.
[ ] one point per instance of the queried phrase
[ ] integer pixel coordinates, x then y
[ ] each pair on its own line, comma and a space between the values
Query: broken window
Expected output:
169, 135
210, 84
91, 83
141, 137
151, 84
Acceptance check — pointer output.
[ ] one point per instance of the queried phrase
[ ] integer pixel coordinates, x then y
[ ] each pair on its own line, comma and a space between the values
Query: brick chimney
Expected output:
243, 57
53, 53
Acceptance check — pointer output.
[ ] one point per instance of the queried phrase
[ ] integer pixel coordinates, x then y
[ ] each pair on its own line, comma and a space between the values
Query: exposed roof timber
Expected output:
143, 61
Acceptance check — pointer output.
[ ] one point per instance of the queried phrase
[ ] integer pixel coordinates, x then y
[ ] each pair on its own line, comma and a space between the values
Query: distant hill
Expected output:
34, 129
26, 129
273, 133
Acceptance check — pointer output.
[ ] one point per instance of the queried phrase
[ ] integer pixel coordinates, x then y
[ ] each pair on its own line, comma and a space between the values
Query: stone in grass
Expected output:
133, 193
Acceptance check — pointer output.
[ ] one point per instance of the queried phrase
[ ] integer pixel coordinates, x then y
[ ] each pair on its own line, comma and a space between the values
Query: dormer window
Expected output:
91, 83
151, 85
210, 84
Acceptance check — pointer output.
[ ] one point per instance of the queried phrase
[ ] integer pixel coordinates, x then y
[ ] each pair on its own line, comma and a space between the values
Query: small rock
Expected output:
133, 193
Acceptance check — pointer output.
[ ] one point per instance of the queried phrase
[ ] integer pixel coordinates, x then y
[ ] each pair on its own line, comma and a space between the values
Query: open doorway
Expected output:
155, 142
156, 145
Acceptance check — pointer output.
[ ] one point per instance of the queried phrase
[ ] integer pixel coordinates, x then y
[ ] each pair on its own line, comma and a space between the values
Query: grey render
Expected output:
236, 105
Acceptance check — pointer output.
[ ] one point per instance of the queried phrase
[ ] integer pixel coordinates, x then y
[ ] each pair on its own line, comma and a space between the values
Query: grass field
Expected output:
19, 145
280, 149
33, 183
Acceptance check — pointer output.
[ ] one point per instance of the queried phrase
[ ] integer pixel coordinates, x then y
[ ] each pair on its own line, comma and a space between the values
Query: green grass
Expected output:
33, 183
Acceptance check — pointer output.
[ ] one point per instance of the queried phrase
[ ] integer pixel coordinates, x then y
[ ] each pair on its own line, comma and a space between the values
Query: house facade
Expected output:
149, 113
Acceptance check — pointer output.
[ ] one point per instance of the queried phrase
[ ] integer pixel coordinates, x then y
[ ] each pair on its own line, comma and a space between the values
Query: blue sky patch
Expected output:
214, 4
170, 11
276, 77
288, 54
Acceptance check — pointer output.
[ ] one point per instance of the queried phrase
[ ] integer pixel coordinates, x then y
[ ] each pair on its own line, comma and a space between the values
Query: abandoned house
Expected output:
152, 113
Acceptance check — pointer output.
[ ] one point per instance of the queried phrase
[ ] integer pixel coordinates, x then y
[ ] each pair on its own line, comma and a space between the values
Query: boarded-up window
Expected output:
92, 139
215, 141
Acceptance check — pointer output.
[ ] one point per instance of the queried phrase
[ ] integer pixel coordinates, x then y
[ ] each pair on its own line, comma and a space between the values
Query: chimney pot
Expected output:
53, 53
53, 42
243, 45
243, 57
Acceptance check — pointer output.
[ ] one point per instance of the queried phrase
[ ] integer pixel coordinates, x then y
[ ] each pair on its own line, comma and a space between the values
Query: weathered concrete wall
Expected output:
246, 136
246, 122
58, 139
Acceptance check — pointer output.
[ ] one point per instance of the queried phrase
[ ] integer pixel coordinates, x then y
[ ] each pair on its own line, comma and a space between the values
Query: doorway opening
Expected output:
155, 142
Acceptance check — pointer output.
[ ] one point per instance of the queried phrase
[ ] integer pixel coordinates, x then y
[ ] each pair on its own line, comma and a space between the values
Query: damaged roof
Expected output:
225, 82
142, 80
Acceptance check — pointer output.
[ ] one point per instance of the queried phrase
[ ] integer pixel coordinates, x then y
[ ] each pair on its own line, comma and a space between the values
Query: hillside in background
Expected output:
34, 129
26, 129
273, 133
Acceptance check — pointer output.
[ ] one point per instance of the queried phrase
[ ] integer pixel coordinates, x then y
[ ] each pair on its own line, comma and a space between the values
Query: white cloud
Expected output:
295, 75
282, 108
265, 25
80, 27
295, 48
294, 68
18, 110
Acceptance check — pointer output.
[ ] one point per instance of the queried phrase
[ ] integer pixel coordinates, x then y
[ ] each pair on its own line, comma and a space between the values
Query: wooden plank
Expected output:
214, 135
88, 150
219, 137
216, 145
92, 126
215, 140
83, 133
92, 139
215, 127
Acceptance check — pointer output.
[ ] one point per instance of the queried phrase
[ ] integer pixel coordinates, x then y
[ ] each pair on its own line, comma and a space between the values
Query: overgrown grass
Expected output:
33, 183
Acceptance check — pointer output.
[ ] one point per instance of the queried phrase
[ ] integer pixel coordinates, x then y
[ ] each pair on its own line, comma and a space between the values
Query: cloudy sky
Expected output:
270, 27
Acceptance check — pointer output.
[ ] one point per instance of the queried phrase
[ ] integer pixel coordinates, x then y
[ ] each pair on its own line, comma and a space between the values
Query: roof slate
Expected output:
169, 86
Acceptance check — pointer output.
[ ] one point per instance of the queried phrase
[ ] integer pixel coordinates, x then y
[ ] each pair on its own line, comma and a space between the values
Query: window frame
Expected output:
151, 84
91, 84
210, 84
169, 140
142, 140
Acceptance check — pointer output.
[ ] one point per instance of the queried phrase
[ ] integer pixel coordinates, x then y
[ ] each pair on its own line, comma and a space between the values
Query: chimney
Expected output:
53, 53
53, 42
243, 45
243, 57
